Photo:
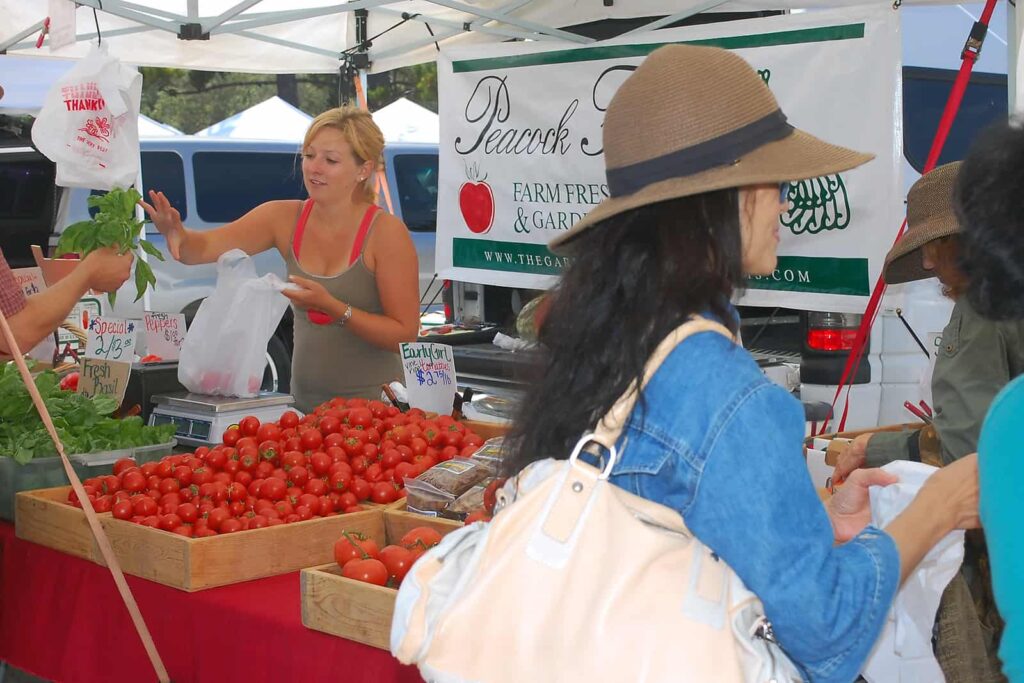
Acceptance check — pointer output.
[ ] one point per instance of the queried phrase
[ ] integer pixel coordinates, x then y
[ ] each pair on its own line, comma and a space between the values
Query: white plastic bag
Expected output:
89, 124
225, 350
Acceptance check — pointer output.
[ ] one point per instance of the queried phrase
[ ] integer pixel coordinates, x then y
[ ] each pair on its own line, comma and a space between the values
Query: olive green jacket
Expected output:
976, 358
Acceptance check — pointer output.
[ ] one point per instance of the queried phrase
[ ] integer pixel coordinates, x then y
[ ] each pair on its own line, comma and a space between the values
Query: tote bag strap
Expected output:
610, 427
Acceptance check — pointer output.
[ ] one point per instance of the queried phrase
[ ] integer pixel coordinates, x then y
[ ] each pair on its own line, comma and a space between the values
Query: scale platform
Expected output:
201, 420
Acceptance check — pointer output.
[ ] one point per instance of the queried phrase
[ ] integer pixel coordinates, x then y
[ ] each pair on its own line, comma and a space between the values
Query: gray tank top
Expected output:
329, 361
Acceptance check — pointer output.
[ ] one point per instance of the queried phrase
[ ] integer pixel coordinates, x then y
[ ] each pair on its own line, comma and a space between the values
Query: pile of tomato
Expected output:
344, 453
360, 558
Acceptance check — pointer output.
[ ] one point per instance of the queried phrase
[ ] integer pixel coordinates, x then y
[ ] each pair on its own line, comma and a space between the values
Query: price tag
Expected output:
429, 376
111, 339
30, 280
165, 333
104, 378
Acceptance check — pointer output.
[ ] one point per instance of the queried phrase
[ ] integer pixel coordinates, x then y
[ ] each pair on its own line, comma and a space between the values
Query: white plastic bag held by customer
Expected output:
89, 124
225, 350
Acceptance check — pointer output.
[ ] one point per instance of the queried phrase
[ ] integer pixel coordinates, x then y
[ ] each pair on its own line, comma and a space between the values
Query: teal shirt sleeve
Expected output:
1002, 508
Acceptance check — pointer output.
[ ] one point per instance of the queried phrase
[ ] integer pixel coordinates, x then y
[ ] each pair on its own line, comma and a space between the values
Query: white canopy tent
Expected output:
271, 119
317, 36
406, 121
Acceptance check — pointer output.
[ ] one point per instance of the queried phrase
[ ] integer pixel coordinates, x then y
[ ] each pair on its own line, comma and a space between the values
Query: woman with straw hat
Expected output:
698, 155
976, 356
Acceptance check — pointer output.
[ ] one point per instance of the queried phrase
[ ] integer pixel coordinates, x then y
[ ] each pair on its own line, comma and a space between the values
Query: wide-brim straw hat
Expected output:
930, 215
696, 119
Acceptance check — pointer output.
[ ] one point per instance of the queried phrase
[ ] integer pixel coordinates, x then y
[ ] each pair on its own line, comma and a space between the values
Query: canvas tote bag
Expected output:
576, 579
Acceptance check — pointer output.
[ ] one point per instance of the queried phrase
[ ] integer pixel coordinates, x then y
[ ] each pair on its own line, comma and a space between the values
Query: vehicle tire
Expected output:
278, 374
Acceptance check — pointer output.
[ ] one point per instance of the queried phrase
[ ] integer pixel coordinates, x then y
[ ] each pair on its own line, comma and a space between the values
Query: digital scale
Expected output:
201, 420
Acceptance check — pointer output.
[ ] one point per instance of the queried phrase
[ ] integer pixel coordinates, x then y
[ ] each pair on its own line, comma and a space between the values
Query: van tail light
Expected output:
446, 297
832, 331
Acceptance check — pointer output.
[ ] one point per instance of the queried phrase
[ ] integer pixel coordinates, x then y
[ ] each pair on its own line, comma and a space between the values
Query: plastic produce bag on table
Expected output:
225, 349
89, 123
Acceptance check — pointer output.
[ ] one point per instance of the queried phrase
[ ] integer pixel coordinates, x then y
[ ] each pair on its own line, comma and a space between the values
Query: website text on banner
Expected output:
521, 151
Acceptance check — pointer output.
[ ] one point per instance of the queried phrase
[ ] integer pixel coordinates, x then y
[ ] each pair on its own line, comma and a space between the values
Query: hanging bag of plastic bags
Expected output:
225, 350
89, 123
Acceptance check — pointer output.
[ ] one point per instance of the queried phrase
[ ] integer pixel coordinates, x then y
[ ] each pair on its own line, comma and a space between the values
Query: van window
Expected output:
925, 92
164, 172
416, 176
25, 191
230, 184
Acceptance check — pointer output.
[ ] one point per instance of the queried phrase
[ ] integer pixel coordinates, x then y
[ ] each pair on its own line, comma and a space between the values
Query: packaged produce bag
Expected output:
225, 350
89, 124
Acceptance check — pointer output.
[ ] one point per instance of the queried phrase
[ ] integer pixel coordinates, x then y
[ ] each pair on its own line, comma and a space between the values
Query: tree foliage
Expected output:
193, 100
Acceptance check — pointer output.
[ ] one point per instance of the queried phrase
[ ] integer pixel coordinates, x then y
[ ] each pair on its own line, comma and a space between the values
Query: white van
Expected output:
213, 181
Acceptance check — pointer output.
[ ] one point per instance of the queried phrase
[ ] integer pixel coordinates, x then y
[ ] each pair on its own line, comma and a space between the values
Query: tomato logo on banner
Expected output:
476, 201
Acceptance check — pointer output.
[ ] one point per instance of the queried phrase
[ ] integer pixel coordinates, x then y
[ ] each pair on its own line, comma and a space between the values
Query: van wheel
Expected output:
278, 374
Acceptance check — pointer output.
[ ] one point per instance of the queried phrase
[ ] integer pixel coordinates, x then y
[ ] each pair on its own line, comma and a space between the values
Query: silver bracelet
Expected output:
344, 316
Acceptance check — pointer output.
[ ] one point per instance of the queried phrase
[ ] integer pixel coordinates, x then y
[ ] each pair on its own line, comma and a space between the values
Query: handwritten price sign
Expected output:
429, 376
165, 333
104, 378
30, 280
111, 339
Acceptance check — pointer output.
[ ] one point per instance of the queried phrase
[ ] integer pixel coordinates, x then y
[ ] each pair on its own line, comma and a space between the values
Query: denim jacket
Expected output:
721, 444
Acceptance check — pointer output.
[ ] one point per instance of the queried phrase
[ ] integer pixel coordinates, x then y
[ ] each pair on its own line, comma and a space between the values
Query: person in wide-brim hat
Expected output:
692, 120
698, 158
931, 217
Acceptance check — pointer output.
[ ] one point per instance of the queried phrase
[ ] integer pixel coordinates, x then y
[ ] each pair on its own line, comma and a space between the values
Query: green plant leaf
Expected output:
148, 247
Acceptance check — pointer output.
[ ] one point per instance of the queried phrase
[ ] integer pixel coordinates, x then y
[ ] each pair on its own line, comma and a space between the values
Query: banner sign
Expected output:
521, 149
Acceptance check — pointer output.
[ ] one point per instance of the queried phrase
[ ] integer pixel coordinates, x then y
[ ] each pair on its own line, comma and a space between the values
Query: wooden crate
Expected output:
193, 564
43, 516
353, 609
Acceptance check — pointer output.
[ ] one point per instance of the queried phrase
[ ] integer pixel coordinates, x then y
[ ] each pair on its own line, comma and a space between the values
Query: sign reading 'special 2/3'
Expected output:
521, 156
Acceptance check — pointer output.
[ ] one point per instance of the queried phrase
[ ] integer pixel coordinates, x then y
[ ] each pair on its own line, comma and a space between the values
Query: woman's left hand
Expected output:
849, 509
312, 295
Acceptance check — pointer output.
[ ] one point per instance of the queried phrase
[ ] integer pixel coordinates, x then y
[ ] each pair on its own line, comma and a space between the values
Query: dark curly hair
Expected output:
989, 201
633, 279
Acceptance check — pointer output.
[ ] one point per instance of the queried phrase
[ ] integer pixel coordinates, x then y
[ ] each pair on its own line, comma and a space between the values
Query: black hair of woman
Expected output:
990, 206
630, 282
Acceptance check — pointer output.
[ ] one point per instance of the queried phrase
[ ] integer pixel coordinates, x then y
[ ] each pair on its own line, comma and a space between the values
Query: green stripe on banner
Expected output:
817, 274
794, 37
510, 257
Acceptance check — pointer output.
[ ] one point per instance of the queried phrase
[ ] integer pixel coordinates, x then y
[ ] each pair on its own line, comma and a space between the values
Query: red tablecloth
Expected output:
61, 618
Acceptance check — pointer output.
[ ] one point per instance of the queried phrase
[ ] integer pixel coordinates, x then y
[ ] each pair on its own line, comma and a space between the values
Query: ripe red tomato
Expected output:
340, 481
249, 426
169, 485
268, 432
151, 521
311, 439
123, 509
230, 526
320, 463
360, 417
298, 476
420, 537
335, 439
329, 425
231, 435
370, 571
354, 546
384, 493
188, 513
133, 481
361, 489
123, 465
316, 486
216, 517
144, 506
184, 475
289, 420
397, 560
170, 522
216, 459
